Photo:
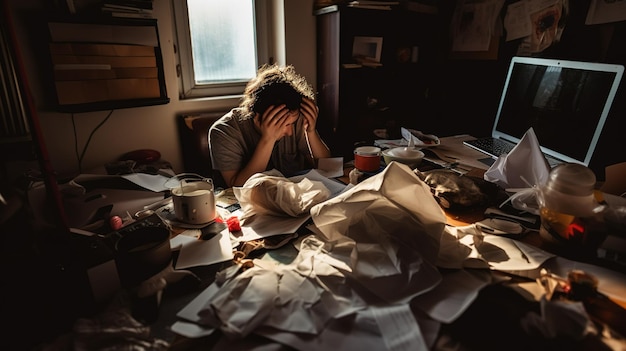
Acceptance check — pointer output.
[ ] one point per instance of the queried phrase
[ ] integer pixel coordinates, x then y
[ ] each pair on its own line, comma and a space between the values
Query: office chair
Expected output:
194, 138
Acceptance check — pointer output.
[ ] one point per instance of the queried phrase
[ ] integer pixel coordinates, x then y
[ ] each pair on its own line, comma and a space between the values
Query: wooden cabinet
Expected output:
106, 64
356, 99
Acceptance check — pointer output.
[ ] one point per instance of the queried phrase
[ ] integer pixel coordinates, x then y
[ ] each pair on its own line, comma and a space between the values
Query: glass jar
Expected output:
568, 207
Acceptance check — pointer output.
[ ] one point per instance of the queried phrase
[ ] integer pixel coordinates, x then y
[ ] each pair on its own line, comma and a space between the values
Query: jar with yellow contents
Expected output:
570, 208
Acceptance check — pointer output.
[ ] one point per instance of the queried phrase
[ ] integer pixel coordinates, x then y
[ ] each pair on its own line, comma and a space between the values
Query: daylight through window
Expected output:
218, 45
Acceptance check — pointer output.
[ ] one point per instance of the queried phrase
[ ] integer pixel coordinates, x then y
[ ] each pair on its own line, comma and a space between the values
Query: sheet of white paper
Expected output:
195, 252
191, 330
331, 167
258, 227
392, 327
419, 139
390, 143
452, 149
181, 239
472, 24
453, 295
398, 327
517, 21
333, 185
360, 332
506, 254
154, 182
190, 311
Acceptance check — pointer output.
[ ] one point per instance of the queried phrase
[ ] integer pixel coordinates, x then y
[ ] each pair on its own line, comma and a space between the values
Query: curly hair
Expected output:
274, 85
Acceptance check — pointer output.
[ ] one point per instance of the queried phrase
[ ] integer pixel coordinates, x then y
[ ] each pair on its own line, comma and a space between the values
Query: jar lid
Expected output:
573, 179
367, 151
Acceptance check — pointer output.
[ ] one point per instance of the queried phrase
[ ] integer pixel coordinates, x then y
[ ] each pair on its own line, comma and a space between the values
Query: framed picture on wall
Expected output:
368, 48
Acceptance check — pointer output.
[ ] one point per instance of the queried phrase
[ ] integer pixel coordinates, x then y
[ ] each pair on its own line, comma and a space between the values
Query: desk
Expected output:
499, 304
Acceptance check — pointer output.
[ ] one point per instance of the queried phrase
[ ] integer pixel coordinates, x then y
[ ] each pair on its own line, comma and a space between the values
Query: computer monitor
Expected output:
566, 103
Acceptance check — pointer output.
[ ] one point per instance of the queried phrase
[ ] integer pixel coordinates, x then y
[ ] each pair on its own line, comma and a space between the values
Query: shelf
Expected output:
356, 99
105, 63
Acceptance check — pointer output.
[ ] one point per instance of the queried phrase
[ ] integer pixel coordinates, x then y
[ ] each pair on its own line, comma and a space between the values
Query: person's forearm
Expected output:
257, 164
317, 145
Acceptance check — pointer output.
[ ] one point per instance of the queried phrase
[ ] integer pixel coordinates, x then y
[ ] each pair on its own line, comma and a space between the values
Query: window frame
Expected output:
265, 31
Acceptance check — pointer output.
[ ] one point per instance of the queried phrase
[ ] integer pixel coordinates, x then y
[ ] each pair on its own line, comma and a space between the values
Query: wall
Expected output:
152, 127
465, 94
463, 97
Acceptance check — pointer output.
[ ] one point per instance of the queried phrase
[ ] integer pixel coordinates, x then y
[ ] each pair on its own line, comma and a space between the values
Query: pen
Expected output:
522, 252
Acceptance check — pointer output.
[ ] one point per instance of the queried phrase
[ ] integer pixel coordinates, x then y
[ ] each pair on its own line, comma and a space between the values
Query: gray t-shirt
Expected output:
232, 142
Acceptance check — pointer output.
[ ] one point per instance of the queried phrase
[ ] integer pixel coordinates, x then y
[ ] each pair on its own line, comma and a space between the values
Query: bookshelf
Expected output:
384, 90
106, 63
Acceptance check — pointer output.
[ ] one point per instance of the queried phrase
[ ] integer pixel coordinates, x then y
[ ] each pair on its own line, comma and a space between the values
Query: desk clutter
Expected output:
310, 263
371, 256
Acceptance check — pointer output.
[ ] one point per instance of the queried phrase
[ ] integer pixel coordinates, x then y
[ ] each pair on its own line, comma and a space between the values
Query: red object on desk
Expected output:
116, 222
367, 158
232, 223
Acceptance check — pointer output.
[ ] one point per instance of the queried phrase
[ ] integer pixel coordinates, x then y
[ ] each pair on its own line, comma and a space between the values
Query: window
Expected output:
220, 44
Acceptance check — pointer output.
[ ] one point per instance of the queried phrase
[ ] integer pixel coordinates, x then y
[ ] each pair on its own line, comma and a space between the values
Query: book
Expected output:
373, 5
124, 8
131, 15
367, 62
130, 3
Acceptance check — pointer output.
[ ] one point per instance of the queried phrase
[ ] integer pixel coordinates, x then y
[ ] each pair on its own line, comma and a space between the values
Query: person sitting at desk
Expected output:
274, 127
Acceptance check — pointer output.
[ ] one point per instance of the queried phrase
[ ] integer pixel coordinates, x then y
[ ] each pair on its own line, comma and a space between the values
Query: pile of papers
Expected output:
368, 276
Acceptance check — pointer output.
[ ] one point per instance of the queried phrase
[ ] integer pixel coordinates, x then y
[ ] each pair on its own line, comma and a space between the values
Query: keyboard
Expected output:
495, 147
491, 146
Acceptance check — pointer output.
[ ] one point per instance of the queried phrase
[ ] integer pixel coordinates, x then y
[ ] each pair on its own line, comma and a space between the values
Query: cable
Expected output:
75, 141
82, 155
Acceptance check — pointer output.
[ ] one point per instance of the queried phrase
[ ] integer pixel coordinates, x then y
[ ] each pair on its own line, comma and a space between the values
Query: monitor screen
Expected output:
565, 102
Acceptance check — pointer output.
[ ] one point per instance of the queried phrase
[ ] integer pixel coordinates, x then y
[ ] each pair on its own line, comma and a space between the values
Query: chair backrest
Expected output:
194, 139
615, 182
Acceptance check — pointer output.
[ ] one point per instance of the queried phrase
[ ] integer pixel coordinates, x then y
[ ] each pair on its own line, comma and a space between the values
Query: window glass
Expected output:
222, 40
219, 44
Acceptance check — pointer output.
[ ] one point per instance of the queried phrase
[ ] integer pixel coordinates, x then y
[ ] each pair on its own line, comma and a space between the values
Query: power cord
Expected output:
82, 154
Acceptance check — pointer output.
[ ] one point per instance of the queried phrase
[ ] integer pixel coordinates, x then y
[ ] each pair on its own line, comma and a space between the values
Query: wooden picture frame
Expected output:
369, 48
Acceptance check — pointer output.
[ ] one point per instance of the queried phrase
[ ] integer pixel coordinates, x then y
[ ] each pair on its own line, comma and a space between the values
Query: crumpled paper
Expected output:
389, 226
302, 296
383, 235
522, 171
417, 138
523, 167
375, 244
391, 211
273, 194
560, 318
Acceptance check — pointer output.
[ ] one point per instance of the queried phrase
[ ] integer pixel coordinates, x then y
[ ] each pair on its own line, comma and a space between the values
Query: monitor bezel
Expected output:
617, 69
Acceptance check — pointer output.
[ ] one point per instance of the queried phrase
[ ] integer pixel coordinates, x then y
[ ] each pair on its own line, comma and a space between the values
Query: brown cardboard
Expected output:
83, 74
114, 73
100, 49
114, 61
88, 91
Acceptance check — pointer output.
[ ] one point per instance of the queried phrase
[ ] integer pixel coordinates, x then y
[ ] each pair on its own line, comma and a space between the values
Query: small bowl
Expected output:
408, 156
